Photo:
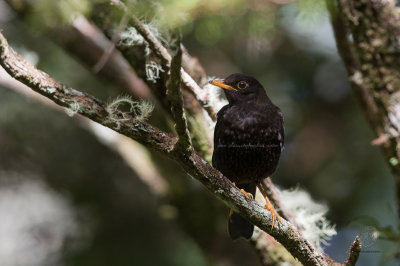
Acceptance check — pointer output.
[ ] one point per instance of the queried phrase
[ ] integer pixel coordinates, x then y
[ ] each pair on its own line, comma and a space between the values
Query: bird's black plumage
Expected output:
248, 139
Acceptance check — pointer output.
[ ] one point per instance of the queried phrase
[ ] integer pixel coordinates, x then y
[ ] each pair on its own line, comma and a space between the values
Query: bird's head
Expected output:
240, 88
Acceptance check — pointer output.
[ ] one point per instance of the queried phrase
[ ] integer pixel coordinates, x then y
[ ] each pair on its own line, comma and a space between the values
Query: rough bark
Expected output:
367, 33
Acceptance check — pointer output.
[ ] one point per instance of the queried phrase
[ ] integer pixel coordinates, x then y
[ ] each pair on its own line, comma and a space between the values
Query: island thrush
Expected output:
248, 141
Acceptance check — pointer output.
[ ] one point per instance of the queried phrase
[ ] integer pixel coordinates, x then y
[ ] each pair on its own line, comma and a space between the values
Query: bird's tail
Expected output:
239, 226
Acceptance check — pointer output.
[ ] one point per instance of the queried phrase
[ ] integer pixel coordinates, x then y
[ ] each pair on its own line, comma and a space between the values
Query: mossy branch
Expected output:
162, 53
366, 33
175, 97
153, 138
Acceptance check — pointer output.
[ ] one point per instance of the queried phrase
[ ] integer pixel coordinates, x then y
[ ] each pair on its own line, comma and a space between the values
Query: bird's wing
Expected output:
219, 126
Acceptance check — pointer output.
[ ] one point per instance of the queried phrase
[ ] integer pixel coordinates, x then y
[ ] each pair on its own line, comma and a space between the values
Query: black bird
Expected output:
248, 140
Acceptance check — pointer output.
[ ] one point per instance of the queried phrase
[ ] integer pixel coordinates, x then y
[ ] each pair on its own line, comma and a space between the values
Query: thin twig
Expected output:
193, 67
354, 252
107, 54
152, 137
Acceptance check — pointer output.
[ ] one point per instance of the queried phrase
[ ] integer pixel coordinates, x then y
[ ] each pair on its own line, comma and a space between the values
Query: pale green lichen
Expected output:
131, 37
154, 28
140, 110
219, 191
357, 78
73, 109
310, 216
153, 71
50, 90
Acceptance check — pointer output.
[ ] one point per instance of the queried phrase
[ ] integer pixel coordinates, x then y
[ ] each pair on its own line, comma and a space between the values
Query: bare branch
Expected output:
193, 67
160, 141
107, 54
354, 252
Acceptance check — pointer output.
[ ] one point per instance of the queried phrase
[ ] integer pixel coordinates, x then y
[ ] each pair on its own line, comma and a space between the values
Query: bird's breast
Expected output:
247, 143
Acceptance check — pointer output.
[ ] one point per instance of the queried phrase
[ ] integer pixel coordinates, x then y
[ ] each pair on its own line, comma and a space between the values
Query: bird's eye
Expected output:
242, 84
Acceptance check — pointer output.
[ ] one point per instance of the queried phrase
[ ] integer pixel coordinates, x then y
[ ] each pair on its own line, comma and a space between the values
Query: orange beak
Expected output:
221, 84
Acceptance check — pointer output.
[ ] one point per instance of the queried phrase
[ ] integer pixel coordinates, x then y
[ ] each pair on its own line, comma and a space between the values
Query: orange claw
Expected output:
246, 194
269, 207
274, 214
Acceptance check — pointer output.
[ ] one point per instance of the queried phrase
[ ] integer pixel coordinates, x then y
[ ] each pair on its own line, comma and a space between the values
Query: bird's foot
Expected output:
248, 195
269, 207
274, 214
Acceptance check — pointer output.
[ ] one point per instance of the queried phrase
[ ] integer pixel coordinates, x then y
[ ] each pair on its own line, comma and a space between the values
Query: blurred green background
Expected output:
69, 198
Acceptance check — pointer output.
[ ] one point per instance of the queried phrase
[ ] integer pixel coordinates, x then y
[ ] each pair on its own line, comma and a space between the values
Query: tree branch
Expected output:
83, 103
162, 53
134, 54
152, 137
371, 58
130, 151
85, 41
354, 252
175, 97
